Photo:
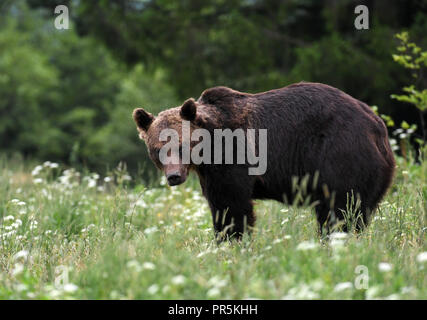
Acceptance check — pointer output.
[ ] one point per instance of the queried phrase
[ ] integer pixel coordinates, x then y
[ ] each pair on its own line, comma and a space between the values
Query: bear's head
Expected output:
165, 140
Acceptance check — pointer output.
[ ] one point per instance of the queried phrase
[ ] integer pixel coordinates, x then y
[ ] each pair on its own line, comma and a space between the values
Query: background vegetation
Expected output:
70, 234
67, 95
77, 219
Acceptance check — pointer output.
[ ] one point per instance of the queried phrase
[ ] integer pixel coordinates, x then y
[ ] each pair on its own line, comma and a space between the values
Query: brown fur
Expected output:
314, 131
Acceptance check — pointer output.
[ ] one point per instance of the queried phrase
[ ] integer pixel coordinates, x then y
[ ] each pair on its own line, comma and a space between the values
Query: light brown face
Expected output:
167, 158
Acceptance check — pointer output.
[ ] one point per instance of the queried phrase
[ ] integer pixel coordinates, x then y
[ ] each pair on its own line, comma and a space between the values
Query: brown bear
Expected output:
318, 137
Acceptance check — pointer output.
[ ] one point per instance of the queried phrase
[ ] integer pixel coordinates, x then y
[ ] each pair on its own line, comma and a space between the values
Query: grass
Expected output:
70, 235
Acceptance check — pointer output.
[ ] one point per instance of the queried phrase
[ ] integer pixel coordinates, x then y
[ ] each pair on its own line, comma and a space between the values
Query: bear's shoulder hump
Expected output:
219, 94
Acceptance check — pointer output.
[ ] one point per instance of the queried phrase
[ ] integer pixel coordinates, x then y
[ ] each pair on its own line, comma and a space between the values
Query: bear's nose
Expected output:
174, 179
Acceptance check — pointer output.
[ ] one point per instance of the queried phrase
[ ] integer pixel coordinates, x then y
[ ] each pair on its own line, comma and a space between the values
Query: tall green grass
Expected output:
65, 234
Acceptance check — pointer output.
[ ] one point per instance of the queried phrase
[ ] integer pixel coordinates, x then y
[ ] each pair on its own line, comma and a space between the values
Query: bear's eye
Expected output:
155, 153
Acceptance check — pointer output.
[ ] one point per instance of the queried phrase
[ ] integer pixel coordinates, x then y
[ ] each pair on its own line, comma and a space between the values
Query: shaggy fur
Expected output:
324, 147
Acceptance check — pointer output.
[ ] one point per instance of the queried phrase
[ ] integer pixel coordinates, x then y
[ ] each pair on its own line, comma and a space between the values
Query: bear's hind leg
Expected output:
341, 217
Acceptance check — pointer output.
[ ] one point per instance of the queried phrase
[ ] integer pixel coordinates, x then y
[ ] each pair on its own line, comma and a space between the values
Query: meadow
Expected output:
66, 234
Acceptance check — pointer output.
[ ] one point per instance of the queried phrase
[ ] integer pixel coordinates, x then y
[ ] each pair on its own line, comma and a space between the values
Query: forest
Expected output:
84, 214
67, 95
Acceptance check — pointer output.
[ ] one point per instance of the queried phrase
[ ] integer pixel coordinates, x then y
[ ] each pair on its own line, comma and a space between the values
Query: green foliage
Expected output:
415, 97
67, 95
413, 58
118, 139
358, 73
64, 98
69, 234
253, 45
387, 119
26, 84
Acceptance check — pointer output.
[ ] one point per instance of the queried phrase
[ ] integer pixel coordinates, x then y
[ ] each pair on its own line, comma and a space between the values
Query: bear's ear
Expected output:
189, 110
143, 119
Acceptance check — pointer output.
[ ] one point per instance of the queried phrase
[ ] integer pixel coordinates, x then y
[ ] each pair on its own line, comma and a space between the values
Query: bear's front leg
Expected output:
232, 211
228, 190
231, 218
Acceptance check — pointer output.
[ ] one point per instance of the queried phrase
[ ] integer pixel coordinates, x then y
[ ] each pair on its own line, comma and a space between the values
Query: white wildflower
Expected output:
301, 292
91, 183
150, 230
385, 266
307, 245
338, 236
343, 286
337, 243
17, 269
17, 223
422, 257
201, 254
148, 266
372, 292
21, 287
408, 290
213, 292
46, 164
141, 203
153, 289
178, 280
54, 165
70, 287
217, 282
163, 181
20, 254
36, 170
133, 264
38, 181
33, 224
